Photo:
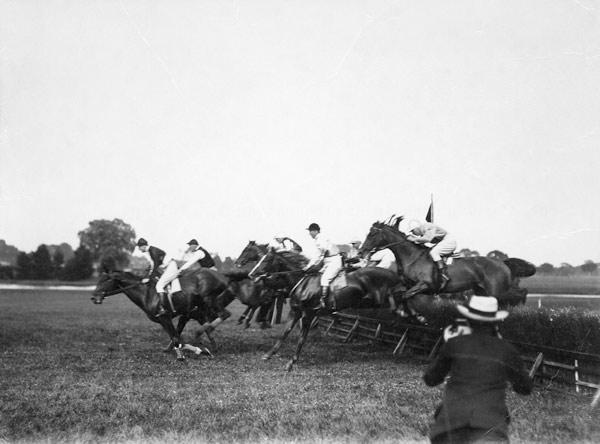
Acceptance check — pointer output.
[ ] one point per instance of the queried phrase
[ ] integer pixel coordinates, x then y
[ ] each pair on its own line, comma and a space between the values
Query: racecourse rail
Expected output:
549, 365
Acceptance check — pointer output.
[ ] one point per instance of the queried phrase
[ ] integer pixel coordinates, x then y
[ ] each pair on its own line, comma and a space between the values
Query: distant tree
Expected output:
546, 268
228, 264
497, 254
58, 262
468, 253
24, 265
64, 248
589, 267
104, 235
80, 266
566, 269
8, 253
218, 261
42, 263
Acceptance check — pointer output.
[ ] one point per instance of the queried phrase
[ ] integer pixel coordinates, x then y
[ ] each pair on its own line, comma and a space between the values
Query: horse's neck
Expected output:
140, 296
404, 250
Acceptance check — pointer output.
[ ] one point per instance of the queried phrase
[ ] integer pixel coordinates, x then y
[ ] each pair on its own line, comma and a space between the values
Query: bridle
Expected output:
118, 290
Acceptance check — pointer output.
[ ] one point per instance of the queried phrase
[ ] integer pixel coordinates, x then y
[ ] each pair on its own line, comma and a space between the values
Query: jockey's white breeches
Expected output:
168, 275
331, 267
445, 247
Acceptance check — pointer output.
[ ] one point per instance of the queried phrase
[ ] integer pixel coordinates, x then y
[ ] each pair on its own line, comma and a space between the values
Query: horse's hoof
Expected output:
289, 366
266, 357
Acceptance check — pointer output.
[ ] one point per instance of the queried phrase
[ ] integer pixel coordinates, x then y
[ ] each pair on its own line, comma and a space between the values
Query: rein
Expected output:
119, 290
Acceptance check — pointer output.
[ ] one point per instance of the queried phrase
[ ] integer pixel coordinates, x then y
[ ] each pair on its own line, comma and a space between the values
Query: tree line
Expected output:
110, 242
102, 242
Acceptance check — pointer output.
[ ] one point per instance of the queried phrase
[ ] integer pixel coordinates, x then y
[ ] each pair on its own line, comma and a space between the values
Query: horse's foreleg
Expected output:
180, 326
279, 307
244, 315
249, 317
297, 315
306, 324
167, 324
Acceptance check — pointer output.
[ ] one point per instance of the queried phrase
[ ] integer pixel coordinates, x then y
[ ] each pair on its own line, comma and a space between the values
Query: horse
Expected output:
482, 275
204, 296
273, 296
369, 287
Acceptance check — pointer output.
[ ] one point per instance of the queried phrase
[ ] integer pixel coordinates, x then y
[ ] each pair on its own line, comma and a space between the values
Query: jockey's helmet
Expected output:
141, 242
193, 242
314, 227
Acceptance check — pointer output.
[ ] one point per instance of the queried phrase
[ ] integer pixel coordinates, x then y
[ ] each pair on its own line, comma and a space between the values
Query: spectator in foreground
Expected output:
479, 364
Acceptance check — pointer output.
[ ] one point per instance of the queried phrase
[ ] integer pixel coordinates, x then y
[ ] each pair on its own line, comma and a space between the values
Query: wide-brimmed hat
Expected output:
141, 242
483, 309
314, 227
193, 242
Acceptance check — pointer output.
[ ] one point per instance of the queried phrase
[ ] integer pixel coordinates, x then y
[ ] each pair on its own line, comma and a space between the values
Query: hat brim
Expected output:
500, 315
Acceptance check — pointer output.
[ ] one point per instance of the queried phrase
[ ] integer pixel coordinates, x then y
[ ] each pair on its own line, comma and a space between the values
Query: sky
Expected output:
231, 121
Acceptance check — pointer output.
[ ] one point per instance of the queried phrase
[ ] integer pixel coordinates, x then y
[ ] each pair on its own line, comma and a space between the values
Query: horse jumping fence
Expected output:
548, 365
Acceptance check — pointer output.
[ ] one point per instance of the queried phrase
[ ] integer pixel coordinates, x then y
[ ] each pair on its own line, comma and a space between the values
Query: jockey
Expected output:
284, 243
194, 254
329, 255
157, 257
383, 259
443, 244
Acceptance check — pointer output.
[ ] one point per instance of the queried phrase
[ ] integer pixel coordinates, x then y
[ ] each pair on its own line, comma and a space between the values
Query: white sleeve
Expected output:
195, 257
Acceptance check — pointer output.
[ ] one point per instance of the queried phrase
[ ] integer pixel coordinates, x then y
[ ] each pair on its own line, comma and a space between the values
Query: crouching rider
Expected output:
194, 255
157, 258
329, 256
443, 244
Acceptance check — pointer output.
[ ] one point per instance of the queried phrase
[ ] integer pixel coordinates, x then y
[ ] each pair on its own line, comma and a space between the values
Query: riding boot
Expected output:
443, 273
325, 297
163, 305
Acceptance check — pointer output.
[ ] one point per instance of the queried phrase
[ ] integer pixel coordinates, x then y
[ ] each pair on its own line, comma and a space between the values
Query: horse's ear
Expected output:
396, 223
252, 242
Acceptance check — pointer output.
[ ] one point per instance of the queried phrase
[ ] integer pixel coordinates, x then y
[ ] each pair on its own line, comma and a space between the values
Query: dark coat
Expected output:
157, 255
480, 364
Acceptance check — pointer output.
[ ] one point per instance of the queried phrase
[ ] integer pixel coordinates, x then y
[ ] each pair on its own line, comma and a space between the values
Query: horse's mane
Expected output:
394, 229
293, 258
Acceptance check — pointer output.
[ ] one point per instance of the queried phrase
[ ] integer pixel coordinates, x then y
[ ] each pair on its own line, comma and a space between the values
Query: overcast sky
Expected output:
229, 121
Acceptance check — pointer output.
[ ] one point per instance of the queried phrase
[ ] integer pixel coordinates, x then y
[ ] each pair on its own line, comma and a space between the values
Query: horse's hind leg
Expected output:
296, 317
279, 301
306, 324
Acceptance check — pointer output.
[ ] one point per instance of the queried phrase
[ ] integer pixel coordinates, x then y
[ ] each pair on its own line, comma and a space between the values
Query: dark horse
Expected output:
369, 287
484, 276
205, 295
273, 294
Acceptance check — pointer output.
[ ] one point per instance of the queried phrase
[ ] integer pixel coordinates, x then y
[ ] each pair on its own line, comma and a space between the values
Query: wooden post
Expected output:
536, 364
378, 331
330, 325
435, 348
576, 376
401, 344
596, 398
351, 332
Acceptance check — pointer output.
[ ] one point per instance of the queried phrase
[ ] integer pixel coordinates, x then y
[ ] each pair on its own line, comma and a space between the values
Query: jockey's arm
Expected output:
315, 261
195, 257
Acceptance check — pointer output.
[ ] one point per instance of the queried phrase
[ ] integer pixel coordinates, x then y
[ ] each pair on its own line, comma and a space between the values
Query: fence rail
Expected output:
580, 370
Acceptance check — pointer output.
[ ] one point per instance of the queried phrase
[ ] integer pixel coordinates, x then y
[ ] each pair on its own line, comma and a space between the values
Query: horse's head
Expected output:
251, 253
380, 235
278, 261
112, 282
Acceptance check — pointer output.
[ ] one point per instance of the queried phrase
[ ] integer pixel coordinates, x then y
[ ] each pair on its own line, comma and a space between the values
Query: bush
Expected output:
566, 328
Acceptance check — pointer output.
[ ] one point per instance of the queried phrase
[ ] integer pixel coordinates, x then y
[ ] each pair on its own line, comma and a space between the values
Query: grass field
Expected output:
72, 371
578, 284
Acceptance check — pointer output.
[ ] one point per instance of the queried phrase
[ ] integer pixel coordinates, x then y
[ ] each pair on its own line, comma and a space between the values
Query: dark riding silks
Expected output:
480, 365
157, 255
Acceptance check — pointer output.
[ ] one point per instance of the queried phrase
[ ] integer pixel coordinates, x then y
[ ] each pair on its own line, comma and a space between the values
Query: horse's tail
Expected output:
519, 267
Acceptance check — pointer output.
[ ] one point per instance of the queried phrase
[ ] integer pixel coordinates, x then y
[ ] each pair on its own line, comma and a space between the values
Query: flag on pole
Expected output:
429, 217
